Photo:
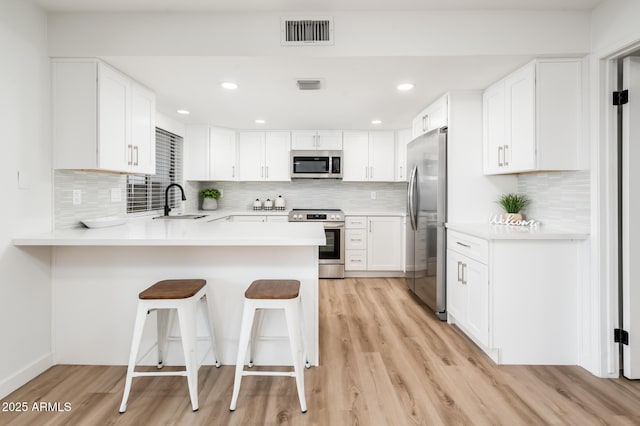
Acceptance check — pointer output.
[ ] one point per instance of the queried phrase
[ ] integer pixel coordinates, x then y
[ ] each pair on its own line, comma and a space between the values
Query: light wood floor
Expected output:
385, 360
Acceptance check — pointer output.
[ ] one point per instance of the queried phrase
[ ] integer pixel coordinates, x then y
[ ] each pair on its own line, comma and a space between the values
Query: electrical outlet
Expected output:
116, 195
373, 195
77, 197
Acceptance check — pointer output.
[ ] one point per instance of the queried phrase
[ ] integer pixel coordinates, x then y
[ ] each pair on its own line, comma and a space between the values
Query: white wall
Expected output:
170, 125
361, 33
615, 23
25, 274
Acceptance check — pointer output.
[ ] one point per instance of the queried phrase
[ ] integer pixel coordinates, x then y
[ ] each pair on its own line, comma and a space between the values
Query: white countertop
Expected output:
195, 232
504, 232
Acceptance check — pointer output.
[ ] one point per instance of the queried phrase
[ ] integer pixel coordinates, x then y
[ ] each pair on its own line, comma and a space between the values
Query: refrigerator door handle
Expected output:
411, 197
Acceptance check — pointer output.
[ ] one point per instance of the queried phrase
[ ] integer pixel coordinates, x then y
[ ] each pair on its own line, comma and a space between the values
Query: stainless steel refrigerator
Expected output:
427, 214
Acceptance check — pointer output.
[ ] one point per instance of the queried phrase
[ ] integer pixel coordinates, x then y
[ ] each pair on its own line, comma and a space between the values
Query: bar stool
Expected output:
166, 297
272, 294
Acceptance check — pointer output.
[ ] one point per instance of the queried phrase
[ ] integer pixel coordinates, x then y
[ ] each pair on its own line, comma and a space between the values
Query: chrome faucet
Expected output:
166, 198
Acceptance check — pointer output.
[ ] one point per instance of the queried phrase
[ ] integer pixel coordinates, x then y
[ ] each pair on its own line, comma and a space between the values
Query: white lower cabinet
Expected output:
516, 297
468, 294
374, 243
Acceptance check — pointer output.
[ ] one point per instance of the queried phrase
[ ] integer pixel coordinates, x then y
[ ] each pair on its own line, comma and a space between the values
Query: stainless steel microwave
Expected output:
316, 164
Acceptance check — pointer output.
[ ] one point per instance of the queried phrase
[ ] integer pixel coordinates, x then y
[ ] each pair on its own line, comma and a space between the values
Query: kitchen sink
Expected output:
183, 216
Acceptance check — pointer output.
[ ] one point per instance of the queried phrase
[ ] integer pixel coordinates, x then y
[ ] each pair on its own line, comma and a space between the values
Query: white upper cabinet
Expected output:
432, 117
324, 140
532, 118
355, 156
402, 140
494, 128
210, 154
382, 154
277, 158
143, 130
196, 153
102, 119
222, 154
369, 156
264, 156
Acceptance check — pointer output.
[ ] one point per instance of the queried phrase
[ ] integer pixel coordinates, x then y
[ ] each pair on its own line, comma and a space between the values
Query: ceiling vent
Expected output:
309, 84
302, 31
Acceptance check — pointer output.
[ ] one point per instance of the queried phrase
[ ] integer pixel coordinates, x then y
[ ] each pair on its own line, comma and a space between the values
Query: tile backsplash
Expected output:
95, 189
558, 199
313, 194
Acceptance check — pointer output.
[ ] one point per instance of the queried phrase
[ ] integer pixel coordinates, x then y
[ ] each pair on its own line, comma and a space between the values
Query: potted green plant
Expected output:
210, 198
513, 204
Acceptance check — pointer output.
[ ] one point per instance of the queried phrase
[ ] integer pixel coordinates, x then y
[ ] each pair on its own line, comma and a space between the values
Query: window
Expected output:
146, 193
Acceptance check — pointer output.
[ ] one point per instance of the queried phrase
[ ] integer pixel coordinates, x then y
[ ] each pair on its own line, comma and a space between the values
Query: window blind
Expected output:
146, 193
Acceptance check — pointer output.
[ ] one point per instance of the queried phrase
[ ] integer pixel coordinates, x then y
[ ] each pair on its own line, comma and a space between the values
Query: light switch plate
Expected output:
373, 195
24, 182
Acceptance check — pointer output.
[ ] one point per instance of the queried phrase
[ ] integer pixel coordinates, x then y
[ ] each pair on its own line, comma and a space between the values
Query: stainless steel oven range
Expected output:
331, 256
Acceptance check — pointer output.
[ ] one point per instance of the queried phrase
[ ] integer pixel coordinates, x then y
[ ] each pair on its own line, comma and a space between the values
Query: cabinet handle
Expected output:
135, 149
464, 273
400, 172
371, 174
233, 171
459, 271
356, 260
262, 172
369, 226
366, 172
130, 161
356, 239
500, 163
463, 245
504, 160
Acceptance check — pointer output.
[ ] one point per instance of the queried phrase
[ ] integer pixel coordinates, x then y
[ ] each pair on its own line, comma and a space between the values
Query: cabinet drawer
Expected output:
355, 239
473, 247
356, 222
355, 260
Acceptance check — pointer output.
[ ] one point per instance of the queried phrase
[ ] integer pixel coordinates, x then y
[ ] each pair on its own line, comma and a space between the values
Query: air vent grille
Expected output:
307, 31
309, 84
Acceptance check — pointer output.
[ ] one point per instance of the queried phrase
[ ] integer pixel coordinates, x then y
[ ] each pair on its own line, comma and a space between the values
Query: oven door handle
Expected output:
337, 226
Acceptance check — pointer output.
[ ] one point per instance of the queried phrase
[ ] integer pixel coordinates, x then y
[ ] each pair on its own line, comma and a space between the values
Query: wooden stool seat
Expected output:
172, 289
273, 289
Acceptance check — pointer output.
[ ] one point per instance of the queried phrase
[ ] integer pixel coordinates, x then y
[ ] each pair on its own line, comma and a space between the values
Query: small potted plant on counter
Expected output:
513, 204
210, 198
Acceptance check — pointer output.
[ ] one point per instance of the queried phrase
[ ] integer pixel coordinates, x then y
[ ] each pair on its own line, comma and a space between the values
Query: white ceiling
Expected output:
356, 90
307, 5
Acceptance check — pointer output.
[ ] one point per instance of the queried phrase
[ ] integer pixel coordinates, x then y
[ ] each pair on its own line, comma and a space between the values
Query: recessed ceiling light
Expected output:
183, 112
376, 121
260, 121
229, 85
405, 86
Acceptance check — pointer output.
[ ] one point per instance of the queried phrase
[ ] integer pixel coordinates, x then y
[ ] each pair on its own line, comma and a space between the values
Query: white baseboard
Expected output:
24, 375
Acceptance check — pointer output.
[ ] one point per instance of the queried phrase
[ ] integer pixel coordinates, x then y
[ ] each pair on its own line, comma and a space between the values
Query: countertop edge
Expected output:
502, 232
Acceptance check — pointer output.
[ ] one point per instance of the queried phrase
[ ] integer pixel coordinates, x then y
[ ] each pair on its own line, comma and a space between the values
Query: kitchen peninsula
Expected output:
98, 273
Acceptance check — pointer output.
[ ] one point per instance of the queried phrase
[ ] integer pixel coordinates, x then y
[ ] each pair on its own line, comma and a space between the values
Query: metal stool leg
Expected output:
141, 316
187, 331
248, 315
292, 312
204, 308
